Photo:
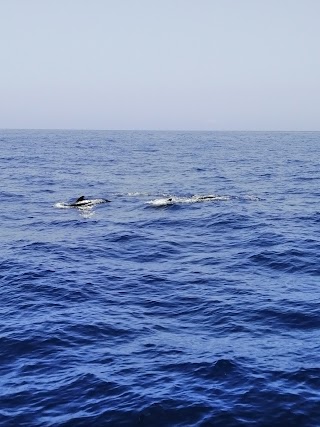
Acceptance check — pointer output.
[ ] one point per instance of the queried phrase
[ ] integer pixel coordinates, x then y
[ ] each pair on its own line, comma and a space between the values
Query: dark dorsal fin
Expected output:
81, 198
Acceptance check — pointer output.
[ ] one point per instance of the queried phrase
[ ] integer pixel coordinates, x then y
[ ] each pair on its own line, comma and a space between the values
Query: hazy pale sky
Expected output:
160, 64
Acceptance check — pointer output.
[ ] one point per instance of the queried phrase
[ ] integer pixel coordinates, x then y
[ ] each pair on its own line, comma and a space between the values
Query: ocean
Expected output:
190, 299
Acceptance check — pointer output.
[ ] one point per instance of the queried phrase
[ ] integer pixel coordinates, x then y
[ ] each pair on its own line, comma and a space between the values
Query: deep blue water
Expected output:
148, 311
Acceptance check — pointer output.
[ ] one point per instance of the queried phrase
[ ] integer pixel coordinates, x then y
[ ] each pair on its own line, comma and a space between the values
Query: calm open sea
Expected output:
192, 299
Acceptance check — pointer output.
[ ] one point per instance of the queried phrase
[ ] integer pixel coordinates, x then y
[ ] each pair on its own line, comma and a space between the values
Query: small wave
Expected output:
146, 194
137, 194
62, 205
86, 211
161, 202
251, 197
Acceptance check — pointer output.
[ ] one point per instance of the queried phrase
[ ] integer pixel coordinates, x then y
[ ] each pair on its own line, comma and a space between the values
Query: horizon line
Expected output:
155, 130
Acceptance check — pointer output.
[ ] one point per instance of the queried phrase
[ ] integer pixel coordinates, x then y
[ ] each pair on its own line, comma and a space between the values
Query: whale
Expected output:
82, 202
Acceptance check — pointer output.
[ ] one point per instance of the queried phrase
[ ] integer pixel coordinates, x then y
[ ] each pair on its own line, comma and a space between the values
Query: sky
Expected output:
160, 64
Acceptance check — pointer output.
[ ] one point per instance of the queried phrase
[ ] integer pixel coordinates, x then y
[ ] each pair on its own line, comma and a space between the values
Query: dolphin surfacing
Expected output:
82, 202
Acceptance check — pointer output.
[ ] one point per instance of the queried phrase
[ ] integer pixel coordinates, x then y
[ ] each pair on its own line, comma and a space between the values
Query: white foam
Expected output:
139, 194
161, 202
61, 205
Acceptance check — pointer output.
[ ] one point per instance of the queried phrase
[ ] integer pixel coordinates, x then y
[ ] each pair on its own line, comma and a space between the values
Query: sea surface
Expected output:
192, 298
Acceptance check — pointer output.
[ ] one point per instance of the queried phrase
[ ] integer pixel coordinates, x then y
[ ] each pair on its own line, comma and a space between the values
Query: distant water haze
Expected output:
161, 64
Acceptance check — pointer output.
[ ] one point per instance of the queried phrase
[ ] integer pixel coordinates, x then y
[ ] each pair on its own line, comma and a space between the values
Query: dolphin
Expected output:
209, 197
82, 202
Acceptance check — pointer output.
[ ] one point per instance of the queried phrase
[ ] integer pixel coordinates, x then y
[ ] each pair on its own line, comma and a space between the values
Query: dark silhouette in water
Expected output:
81, 201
